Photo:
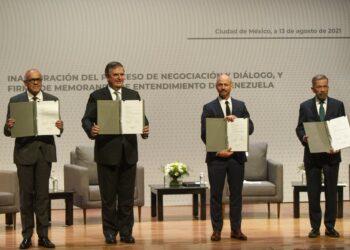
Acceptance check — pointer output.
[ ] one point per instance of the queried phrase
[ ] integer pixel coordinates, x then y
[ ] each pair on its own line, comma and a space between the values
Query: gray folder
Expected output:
108, 117
216, 138
23, 113
318, 137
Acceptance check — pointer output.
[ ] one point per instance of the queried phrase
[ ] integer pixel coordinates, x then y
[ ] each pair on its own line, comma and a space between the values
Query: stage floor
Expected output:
180, 231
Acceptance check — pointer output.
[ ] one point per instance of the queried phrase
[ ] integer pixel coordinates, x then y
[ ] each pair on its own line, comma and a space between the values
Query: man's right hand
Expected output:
10, 123
305, 138
95, 130
226, 153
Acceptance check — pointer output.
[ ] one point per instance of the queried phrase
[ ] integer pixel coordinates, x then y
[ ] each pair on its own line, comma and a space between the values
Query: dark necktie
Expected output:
35, 99
322, 113
228, 112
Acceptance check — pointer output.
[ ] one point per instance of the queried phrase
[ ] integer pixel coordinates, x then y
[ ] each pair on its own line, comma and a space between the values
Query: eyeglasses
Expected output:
33, 80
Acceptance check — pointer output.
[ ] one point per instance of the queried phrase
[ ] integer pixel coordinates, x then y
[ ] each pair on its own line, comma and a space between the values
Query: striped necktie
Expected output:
117, 96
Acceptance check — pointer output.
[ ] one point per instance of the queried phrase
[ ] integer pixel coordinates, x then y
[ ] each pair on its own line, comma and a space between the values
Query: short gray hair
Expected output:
317, 78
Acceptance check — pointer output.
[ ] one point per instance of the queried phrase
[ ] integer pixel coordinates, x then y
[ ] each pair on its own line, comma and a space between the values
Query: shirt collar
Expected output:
112, 91
39, 96
224, 100
318, 101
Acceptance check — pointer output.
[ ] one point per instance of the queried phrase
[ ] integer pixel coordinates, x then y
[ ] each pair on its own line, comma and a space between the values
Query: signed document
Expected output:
47, 113
237, 134
324, 136
339, 131
34, 118
221, 134
132, 117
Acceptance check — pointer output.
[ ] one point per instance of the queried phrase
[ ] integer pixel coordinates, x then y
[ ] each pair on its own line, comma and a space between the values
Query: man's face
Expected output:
224, 86
116, 78
320, 88
33, 81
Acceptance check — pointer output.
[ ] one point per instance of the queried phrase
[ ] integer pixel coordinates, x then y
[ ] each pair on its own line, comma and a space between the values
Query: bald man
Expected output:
225, 163
33, 157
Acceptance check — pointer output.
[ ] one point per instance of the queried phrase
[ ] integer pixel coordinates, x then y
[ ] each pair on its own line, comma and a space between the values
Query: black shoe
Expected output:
216, 236
127, 239
314, 233
237, 234
331, 232
45, 242
110, 239
26, 243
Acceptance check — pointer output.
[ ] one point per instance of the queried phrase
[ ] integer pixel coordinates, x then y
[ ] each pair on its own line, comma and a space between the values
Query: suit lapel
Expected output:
328, 109
106, 94
314, 108
218, 108
24, 97
125, 94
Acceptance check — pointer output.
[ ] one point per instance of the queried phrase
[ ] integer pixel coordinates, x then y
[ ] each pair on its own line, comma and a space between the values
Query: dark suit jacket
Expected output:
214, 110
308, 113
109, 148
27, 148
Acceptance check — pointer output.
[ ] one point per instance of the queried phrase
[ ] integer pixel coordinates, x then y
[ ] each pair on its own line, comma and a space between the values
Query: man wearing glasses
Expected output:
33, 157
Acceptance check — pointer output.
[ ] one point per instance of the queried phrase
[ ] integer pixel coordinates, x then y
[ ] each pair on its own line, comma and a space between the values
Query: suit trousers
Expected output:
34, 196
217, 172
117, 184
314, 183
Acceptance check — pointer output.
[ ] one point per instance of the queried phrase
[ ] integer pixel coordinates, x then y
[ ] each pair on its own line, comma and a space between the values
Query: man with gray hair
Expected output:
320, 108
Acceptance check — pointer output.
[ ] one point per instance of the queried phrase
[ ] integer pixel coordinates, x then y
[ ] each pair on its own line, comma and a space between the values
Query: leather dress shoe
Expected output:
237, 234
331, 232
127, 239
110, 239
45, 242
216, 236
26, 243
314, 233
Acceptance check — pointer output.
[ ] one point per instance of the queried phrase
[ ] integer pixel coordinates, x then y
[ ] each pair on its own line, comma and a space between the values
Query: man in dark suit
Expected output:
116, 157
33, 157
225, 162
320, 108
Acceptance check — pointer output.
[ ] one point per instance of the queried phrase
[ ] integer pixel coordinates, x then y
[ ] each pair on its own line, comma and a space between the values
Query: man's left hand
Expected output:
230, 118
59, 124
332, 151
145, 132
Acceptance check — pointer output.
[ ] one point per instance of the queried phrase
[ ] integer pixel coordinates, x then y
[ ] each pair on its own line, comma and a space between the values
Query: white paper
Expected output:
237, 135
47, 113
339, 131
132, 117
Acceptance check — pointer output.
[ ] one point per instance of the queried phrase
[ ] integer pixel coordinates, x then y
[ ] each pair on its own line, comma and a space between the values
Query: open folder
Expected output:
120, 117
34, 118
324, 136
221, 134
